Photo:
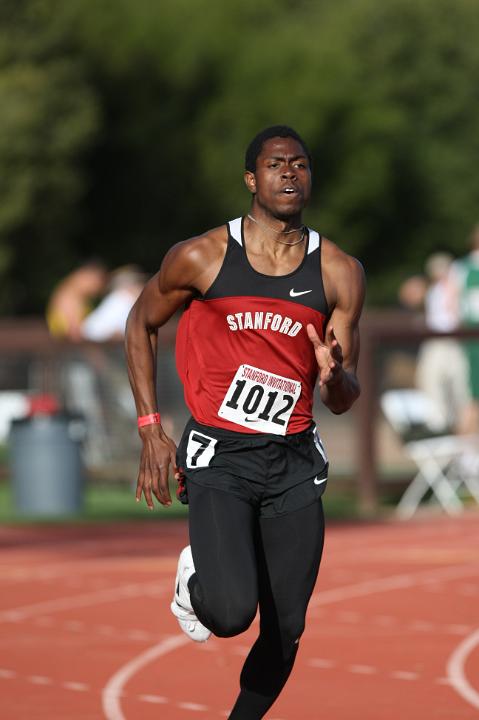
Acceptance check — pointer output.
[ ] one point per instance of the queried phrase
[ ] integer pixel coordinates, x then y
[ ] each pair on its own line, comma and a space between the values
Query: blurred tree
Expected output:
154, 104
420, 66
386, 95
49, 116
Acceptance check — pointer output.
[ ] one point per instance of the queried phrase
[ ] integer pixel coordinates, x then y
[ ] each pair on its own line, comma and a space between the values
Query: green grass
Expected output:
111, 503
103, 503
340, 505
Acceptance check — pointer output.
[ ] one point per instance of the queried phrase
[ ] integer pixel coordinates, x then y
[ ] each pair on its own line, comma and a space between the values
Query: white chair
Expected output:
445, 462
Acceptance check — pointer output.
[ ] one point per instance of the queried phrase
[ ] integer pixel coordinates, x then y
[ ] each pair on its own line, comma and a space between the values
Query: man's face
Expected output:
281, 183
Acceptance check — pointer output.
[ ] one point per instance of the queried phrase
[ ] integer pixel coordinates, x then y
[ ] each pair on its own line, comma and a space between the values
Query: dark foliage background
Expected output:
123, 126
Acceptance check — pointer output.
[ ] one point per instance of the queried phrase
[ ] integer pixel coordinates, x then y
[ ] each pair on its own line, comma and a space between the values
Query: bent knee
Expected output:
291, 632
234, 622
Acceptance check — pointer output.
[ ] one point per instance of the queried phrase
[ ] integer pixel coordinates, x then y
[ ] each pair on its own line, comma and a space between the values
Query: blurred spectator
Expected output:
108, 320
465, 283
412, 292
442, 370
72, 299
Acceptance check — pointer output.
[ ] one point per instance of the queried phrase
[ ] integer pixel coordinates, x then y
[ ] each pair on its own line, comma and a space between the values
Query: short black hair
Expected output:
256, 144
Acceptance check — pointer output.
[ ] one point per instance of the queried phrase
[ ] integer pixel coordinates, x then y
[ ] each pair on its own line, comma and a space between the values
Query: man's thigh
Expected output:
292, 546
223, 528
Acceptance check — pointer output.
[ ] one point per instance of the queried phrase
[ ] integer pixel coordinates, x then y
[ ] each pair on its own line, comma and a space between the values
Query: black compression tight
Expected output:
241, 560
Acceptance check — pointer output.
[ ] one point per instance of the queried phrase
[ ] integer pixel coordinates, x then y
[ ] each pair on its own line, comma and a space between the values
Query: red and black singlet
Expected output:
242, 350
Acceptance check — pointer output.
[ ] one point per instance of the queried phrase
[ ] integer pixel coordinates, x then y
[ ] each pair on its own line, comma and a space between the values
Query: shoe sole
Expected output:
187, 617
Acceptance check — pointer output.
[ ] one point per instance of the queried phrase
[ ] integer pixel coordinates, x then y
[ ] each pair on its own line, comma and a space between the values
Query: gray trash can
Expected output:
46, 465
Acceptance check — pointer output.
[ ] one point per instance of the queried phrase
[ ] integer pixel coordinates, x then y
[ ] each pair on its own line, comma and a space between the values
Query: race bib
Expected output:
200, 450
260, 400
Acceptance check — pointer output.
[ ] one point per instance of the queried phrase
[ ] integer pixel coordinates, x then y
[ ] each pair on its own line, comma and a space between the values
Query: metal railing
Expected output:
29, 354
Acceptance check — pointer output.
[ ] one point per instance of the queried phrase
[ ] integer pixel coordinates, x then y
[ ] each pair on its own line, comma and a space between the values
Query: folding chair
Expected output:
445, 462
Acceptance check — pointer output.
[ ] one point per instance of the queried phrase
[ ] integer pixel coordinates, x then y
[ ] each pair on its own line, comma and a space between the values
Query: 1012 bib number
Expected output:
260, 400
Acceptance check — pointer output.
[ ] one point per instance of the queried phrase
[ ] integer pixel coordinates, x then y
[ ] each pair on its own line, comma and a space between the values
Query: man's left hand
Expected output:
329, 355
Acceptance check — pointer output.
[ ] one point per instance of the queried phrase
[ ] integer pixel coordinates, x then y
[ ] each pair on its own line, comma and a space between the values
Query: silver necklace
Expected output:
282, 232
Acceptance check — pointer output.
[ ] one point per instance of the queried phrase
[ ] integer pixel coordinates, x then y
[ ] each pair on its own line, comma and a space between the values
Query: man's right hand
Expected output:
158, 452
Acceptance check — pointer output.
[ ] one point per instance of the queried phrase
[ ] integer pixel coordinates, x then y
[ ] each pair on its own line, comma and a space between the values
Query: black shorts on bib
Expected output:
274, 473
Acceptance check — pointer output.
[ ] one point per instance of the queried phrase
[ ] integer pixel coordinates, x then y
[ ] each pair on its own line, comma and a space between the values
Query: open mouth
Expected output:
289, 191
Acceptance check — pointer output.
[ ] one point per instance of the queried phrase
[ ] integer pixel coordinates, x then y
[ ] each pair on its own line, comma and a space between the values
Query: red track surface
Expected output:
392, 633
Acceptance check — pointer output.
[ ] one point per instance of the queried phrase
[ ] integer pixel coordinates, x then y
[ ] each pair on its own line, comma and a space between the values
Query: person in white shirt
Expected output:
442, 368
108, 320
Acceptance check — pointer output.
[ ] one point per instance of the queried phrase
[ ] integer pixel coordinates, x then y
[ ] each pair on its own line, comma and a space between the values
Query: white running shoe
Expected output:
181, 606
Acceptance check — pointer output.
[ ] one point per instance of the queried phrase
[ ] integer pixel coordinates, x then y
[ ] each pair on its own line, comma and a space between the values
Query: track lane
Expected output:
380, 652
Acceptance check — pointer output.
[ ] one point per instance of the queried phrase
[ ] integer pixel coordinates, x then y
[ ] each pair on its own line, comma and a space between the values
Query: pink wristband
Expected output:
151, 419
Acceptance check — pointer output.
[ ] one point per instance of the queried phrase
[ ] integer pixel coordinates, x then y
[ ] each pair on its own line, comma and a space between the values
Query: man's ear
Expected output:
250, 181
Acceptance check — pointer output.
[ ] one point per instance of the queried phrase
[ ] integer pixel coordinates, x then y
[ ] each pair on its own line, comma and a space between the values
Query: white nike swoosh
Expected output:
318, 482
293, 292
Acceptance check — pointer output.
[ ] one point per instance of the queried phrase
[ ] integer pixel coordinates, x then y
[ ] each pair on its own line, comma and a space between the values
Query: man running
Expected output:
271, 308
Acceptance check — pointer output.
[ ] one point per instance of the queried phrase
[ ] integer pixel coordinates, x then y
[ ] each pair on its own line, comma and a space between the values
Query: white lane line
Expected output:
385, 620
362, 669
39, 680
75, 625
394, 582
112, 691
325, 664
421, 626
411, 626
321, 663
457, 629
349, 617
443, 681
105, 630
78, 625
7, 674
44, 621
456, 669
468, 590
139, 635
195, 707
88, 567
76, 686
158, 699
122, 592
136, 634
433, 588
404, 675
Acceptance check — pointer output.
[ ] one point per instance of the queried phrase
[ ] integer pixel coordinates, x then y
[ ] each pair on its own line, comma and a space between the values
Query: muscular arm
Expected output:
188, 267
338, 355
161, 297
